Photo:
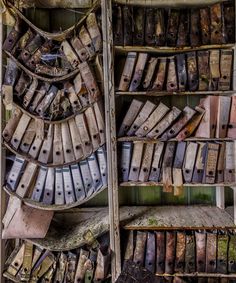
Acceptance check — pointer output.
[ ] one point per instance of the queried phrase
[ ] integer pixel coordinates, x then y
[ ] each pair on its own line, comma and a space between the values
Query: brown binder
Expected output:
208, 123
195, 39
232, 119
226, 61
203, 69
216, 24
205, 23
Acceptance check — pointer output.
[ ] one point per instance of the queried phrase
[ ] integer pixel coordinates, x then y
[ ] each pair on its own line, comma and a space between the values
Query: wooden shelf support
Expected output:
109, 94
220, 197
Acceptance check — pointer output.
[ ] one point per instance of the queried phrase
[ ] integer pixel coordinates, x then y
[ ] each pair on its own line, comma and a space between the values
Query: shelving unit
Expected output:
167, 217
131, 205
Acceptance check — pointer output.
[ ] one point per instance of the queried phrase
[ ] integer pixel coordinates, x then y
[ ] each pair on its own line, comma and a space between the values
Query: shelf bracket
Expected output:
220, 197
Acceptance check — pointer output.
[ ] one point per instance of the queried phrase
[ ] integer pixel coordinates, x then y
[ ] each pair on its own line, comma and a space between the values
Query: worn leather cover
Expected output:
127, 71
226, 60
136, 161
185, 117
195, 39
150, 252
214, 69
129, 247
189, 161
22, 84
150, 70
190, 263
232, 119
139, 21
220, 163
12, 38
180, 252
172, 27
229, 22
28, 222
30, 48
192, 124
150, 26
171, 84
229, 170
138, 72
139, 252
216, 24
36, 57
160, 252
167, 164
205, 25
211, 252
200, 163
223, 113
170, 252
203, 69
211, 163
192, 71
232, 253
125, 159
207, 126
146, 162
159, 80
181, 71
160, 27
128, 24
118, 34
222, 252
183, 30
177, 168
155, 173
200, 251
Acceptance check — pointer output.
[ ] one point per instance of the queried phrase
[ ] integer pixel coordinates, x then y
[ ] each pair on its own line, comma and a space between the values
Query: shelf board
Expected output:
47, 121
198, 274
168, 49
150, 140
178, 217
175, 93
156, 184
54, 207
28, 158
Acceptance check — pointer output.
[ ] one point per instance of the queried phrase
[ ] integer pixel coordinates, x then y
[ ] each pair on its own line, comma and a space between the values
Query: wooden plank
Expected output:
175, 93
168, 3
154, 184
56, 4
2, 159
178, 217
165, 49
109, 94
148, 140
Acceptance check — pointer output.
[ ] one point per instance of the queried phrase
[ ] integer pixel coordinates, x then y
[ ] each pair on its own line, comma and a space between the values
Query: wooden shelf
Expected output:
76, 222
198, 274
54, 207
178, 217
175, 93
149, 140
52, 165
47, 121
168, 49
155, 184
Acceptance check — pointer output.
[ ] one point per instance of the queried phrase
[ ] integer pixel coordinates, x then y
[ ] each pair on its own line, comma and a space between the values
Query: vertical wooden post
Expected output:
234, 199
220, 197
2, 194
109, 94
